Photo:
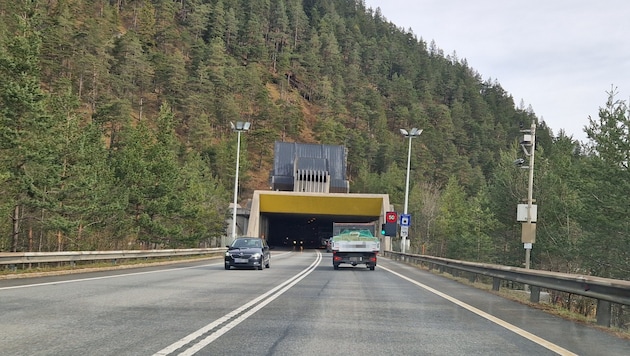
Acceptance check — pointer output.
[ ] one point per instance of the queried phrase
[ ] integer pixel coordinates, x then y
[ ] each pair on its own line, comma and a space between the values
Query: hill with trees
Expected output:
115, 130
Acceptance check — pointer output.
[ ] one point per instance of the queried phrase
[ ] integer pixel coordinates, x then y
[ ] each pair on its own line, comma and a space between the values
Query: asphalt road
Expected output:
299, 306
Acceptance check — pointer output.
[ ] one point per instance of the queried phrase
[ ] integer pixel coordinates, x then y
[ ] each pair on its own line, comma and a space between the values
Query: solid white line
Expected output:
271, 295
104, 277
515, 329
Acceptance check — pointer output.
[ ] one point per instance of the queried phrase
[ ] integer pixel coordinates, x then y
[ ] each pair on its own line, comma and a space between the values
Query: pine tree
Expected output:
25, 149
606, 247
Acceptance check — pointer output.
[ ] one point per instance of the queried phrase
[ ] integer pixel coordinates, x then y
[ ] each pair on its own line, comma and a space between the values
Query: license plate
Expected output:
241, 260
356, 259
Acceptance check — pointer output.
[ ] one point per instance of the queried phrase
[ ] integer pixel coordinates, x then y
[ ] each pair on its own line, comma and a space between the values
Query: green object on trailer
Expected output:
355, 241
355, 235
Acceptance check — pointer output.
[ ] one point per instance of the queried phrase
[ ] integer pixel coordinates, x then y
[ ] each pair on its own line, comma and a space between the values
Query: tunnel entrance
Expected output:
307, 218
308, 231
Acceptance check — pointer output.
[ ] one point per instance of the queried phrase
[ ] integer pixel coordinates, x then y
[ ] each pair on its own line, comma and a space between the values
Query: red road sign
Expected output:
391, 217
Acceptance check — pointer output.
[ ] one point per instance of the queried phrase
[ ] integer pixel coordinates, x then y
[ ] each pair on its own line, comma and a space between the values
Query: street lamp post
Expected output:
415, 132
239, 127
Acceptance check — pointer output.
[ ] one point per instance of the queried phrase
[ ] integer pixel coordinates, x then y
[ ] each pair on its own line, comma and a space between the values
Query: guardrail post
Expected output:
534, 294
496, 283
603, 313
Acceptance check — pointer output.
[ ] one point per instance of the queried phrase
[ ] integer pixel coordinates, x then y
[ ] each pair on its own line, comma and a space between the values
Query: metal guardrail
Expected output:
604, 290
16, 258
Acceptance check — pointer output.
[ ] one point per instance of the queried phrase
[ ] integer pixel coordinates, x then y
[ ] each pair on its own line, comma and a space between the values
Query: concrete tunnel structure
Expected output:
307, 218
309, 191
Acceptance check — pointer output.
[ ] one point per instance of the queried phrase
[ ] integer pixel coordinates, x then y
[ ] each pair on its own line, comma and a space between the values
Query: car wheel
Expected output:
227, 266
336, 266
372, 268
268, 262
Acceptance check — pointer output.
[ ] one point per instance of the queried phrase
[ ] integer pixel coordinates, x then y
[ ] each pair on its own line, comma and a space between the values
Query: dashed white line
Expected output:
240, 314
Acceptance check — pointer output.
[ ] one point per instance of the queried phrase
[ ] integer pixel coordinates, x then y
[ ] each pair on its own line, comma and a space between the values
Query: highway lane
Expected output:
300, 306
125, 312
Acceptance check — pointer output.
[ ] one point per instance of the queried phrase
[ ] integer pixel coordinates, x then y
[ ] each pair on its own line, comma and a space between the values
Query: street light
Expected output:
239, 127
415, 132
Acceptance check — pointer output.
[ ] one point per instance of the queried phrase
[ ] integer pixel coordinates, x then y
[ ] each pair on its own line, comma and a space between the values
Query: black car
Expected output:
248, 252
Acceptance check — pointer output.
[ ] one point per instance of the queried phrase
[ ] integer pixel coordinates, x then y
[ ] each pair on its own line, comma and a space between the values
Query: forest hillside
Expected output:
115, 130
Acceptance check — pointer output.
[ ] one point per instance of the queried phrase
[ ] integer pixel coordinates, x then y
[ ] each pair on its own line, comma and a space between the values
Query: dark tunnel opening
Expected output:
307, 231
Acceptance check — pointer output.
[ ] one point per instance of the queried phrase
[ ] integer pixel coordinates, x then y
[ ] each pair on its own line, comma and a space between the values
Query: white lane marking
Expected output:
103, 277
515, 329
253, 304
116, 276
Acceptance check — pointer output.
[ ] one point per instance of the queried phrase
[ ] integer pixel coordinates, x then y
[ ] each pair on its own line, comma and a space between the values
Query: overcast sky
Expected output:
559, 56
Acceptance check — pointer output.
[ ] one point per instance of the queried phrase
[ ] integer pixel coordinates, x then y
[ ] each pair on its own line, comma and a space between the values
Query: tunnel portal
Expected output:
307, 218
308, 231
309, 191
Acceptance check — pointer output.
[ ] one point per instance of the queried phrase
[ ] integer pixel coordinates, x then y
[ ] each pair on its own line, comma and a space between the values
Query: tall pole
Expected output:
407, 182
415, 132
238, 154
239, 127
530, 191
404, 238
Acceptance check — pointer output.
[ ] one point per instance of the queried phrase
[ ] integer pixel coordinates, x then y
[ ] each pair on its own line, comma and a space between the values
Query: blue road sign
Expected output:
405, 219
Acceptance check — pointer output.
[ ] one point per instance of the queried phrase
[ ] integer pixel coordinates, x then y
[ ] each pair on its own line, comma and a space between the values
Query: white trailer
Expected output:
355, 247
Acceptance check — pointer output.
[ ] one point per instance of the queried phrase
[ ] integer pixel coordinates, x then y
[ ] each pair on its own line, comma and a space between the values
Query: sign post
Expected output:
405, 221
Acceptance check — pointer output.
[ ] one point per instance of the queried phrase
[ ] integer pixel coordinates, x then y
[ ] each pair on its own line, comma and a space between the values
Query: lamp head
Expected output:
413, 133
240, 125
